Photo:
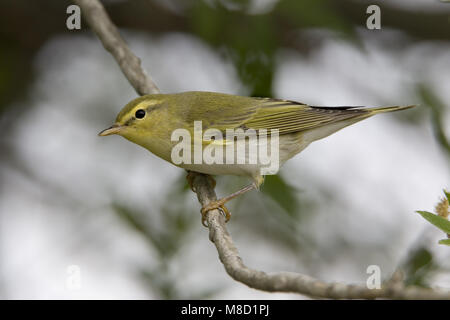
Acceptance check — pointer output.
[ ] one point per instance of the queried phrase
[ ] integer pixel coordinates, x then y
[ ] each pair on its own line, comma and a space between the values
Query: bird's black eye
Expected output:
140, 114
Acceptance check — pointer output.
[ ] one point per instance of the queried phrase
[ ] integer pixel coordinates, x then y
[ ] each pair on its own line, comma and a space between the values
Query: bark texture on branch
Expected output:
96, 16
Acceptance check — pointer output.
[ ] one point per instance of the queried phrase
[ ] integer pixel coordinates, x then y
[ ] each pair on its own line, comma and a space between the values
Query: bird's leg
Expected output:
220, 204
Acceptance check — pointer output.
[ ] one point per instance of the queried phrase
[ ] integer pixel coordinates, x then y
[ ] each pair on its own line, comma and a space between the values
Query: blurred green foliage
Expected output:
419, 266
315, 14
437, 108
251, 41
282, 193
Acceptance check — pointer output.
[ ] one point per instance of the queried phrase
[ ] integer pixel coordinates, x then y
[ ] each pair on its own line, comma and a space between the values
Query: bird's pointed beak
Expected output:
115, 128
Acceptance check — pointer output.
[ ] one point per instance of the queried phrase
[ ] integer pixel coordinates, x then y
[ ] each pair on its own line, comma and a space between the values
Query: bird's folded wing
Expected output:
290, 116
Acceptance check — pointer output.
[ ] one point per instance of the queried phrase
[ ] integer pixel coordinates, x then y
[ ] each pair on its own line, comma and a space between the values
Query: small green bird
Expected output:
158, 121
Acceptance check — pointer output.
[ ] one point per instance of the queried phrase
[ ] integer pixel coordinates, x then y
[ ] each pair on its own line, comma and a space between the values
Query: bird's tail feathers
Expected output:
388, 109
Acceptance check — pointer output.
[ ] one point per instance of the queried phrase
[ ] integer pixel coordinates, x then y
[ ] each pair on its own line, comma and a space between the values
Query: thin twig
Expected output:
99, 21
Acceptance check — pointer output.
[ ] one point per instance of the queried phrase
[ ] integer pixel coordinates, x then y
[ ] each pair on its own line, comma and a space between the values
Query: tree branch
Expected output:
100, 23
288, 281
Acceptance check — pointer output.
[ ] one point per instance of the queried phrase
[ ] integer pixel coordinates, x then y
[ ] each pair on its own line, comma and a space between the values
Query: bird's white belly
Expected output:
244, 163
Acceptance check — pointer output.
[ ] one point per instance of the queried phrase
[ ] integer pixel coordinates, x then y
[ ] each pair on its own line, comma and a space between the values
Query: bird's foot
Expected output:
218, 204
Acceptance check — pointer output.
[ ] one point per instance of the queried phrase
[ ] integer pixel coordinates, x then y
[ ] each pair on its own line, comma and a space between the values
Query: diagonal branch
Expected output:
288, 281
100, 23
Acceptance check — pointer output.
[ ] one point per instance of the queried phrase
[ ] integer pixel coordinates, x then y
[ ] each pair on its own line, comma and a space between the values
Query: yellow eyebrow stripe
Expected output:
145, 105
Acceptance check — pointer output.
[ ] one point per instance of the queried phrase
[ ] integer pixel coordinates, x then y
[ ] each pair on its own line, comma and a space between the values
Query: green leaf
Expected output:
438, 221
445, 241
